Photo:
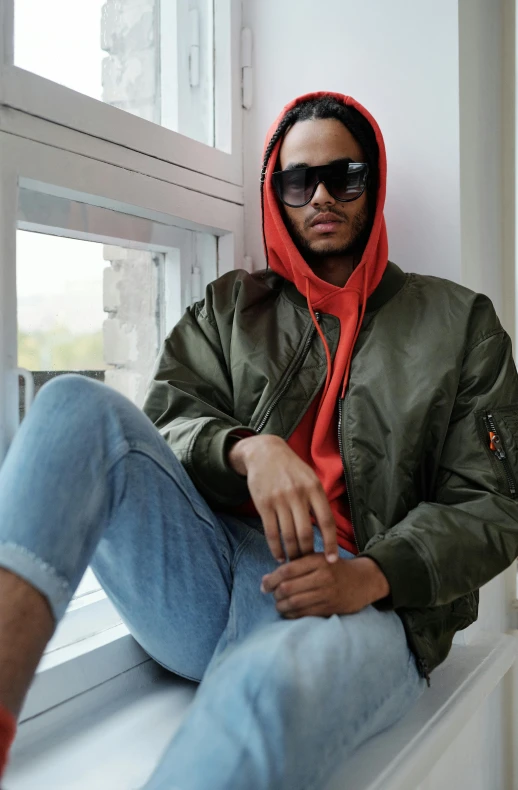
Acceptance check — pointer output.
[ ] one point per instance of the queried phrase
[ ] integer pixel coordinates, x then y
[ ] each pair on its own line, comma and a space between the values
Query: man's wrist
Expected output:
377, 583
238, 452
235, 457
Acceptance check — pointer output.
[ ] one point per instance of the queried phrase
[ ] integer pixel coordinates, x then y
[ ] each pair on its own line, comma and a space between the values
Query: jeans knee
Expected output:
70, 399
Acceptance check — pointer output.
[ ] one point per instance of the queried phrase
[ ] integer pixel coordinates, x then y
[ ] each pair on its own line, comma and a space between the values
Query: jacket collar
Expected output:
392, 281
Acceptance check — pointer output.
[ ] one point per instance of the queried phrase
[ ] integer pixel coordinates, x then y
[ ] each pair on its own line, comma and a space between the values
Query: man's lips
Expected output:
326, 223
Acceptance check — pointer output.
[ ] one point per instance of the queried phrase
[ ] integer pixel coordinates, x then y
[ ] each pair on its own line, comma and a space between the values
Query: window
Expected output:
99, 283
125, 212
102, 309
153, 59
158, 76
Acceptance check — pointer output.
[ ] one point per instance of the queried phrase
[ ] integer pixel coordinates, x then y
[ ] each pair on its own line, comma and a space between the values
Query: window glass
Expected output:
152, 58
87, 307
60, 303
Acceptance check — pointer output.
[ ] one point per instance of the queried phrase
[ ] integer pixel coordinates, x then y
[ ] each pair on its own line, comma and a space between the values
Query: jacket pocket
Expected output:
499, 431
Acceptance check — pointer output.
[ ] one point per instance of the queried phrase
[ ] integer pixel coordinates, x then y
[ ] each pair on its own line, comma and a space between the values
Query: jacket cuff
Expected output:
209, 468
406, 571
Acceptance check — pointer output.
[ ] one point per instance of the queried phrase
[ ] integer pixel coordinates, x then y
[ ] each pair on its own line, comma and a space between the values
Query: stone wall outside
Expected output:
130, 74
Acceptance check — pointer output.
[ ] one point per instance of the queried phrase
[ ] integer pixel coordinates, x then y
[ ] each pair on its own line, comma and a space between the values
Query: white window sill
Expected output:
109, 738
65, 672
401, 758
113, 735
86, 616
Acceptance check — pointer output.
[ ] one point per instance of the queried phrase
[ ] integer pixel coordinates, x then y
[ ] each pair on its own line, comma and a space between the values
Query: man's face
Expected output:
320, 142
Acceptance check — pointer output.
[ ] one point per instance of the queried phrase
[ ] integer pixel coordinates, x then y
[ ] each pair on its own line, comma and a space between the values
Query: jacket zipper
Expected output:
344, 465
303, 355
497, 447
422, 664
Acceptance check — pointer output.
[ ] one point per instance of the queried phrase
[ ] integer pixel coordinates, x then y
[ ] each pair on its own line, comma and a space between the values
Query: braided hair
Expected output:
328, 106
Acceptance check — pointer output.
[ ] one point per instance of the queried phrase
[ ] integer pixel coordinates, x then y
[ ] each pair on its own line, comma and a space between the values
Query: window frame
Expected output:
30, 93
29, 161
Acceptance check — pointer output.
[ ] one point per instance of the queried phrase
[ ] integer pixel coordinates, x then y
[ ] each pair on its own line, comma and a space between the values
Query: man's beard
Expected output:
360, 232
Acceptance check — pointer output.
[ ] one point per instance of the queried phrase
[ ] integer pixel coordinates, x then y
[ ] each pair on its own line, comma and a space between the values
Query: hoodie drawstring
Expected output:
324, 341
322, 337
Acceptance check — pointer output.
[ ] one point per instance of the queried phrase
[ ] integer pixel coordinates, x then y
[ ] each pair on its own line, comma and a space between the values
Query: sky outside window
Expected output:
61, 40
60, 302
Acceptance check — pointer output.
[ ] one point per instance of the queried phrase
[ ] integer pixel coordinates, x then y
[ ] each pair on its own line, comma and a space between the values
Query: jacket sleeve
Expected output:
190, 401
468, 534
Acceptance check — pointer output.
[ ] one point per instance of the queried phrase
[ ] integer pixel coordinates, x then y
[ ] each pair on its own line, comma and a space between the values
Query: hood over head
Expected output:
347, 302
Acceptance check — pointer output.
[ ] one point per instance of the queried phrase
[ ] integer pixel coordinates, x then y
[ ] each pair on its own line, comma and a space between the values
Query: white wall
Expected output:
481, 139
399, 59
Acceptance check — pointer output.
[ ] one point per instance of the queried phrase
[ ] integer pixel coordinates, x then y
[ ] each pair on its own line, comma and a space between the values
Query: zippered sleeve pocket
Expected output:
499, 432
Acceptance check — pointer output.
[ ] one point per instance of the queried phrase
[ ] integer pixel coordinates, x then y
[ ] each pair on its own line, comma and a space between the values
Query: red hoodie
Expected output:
315, 439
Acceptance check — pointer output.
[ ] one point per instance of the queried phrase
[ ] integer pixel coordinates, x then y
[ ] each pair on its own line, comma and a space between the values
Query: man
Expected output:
330, 429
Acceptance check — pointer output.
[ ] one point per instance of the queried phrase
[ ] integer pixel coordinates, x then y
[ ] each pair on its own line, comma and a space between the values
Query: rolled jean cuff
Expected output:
38, 574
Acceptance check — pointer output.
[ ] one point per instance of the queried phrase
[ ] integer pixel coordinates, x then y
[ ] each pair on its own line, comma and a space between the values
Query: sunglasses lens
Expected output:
345, 182
294, 187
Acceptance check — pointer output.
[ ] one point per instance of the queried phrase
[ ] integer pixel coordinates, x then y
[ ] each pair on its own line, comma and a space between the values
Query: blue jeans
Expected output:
281, 703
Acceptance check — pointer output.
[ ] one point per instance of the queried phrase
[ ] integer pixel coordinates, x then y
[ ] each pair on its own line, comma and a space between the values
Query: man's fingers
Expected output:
303, 526
288, 531
291, 570
302, 601
306, 583
283, 489
326, 524
271, 531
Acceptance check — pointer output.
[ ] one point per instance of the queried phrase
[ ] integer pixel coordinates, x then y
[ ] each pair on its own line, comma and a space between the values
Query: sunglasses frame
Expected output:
276, 184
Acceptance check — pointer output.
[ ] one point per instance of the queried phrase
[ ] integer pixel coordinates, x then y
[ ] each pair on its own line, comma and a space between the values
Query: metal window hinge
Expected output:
246, 68
194, 48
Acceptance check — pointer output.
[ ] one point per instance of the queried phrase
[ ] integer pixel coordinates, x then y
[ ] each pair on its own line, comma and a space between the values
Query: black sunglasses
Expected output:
345, 181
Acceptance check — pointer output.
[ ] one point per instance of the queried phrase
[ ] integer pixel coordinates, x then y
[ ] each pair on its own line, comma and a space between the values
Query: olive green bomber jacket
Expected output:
433, 499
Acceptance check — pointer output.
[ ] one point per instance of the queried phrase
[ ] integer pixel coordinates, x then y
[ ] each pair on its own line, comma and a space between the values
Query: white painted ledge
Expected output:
110, 738
402, 757
127, 722
75, 669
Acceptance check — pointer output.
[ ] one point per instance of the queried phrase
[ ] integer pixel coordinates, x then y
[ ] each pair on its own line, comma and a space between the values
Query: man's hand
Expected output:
284, 491
310, 586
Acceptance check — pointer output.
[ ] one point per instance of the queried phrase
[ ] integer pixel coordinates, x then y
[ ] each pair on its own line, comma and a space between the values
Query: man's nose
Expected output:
322, 196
